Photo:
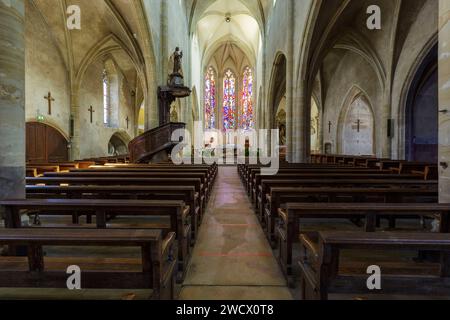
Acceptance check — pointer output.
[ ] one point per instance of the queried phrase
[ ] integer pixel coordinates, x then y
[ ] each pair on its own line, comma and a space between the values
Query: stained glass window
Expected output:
247, 100
229, 101
210, 99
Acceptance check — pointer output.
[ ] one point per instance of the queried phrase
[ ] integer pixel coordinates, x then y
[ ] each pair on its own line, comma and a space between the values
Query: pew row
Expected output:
176, 212
183, 193
322, 273
154, 280
290, 227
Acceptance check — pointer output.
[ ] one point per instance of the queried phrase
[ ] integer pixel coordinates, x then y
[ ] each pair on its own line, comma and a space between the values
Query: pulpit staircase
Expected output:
154, 145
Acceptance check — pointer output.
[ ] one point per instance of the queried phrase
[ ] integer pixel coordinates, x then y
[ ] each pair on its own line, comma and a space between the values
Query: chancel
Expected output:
224, 149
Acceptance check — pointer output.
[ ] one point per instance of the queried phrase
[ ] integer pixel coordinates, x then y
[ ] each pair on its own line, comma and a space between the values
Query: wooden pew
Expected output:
156, 276
206, 188
322, 261
41, 169
124, 181
210, 176
290, 217
176, 211
328, 176
85, 164
266, 185
31, 172
184, 193
252, 179
278, 197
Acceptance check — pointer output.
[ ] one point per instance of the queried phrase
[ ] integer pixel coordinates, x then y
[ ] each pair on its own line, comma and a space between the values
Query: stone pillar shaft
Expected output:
12, 99
444, 102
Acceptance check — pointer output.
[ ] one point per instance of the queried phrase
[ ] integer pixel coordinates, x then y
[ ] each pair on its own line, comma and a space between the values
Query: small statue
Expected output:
177, 63
176, 78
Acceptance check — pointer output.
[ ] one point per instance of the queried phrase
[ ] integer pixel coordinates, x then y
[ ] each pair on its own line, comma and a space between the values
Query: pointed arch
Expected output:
356, 126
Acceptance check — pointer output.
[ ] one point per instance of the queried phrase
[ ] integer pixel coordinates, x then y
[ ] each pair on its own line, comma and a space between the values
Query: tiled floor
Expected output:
232, 258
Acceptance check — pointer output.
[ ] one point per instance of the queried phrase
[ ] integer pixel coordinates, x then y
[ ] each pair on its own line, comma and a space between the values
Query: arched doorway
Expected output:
358, 128
422, 105
45, 144
117, 145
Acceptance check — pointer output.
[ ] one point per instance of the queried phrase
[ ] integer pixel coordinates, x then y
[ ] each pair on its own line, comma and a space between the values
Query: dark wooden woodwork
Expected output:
291, 216
45, 144
320, 274
158, 263
184, 193
177, 211
148, 145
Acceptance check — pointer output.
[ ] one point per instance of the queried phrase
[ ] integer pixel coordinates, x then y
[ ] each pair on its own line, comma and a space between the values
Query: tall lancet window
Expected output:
247, 121
106, 99
210, 99
229, 100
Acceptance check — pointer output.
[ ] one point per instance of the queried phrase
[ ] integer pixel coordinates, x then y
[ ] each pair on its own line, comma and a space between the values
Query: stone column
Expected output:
444, 102
291, 119
12, 99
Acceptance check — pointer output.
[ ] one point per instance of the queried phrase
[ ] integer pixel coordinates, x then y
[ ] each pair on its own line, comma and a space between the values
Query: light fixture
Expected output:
228, 18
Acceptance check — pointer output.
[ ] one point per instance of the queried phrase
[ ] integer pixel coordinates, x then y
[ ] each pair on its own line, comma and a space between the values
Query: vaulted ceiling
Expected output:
240, 22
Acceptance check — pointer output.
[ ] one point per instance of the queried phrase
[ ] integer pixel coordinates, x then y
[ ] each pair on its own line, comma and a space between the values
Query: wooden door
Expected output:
45, 144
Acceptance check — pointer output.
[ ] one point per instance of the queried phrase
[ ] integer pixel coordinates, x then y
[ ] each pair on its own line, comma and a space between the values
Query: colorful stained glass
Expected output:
247, 121
210, 99
229, 101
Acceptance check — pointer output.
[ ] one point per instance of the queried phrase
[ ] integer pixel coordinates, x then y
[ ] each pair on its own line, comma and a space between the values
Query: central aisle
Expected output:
232, 258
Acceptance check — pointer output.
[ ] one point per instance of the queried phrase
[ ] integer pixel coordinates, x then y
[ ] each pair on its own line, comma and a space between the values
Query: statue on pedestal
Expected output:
176, 78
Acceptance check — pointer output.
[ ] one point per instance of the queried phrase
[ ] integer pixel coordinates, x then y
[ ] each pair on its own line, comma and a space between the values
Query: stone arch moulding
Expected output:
273, 93
400, 113
353, 94
104, 47
122, 135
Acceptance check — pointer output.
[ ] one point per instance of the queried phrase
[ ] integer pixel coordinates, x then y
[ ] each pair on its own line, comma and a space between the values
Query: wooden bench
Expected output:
176, 211
255, 175
278, 198
124, 181
289, 223
156, 277
31, 172
266, 185
327, 176
85, 164
206, 188
184, 193
210, 176
41, 169
321, 261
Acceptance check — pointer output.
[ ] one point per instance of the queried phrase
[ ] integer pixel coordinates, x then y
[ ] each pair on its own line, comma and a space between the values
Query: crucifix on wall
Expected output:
358, 125
128, 122
49, 98
91, 110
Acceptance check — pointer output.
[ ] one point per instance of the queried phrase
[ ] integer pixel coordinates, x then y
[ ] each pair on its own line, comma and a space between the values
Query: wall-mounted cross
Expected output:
329, 126
128, 122
49, 98
358, 125
91, 110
